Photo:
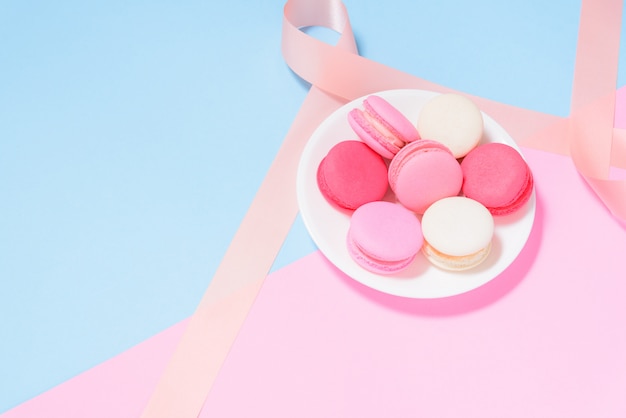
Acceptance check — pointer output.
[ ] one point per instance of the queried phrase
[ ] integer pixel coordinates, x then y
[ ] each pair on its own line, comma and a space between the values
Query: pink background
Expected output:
545, 338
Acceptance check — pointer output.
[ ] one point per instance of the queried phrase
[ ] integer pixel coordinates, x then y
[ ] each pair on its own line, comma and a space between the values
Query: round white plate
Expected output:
328, 225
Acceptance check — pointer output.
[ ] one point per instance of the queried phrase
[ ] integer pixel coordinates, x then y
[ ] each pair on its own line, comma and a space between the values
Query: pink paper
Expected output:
119, 387
546, 338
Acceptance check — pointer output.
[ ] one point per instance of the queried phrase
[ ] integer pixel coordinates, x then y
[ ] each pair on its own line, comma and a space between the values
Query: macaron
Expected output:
352, 174
384, 237
497, 176
458, 233
453, 120
381, 126
423, 172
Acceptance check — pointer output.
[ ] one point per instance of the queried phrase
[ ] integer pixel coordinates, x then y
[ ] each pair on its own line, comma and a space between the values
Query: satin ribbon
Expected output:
591, 130
587, 135
213, 327
338, 74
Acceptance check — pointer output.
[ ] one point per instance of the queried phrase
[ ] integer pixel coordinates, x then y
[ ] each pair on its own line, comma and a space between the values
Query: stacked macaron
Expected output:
447, 185
381, 126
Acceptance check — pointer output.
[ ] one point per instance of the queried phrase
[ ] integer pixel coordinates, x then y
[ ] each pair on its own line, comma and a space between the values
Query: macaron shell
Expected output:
381, 126
384, 236
376, 266
457, 227
391, 118
423, 172
352, 174
497, 176
453, 120
370, 135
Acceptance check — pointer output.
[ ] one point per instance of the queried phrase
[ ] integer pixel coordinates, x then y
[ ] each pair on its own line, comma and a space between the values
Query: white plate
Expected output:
328, 226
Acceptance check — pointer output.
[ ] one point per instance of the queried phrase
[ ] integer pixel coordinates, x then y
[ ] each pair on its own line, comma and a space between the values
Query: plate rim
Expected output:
303, 183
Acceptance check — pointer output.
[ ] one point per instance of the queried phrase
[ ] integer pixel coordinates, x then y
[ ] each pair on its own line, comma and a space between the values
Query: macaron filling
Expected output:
375, 264
455, 262
458, 233
381, 128
392, 119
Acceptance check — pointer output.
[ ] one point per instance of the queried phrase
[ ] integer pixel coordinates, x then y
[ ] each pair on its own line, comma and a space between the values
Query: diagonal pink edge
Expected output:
121, 386
543, 339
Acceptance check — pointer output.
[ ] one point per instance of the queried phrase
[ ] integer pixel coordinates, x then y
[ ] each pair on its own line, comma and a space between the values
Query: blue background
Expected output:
134, 135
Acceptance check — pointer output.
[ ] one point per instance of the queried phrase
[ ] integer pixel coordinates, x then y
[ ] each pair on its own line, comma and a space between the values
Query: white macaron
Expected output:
458, 233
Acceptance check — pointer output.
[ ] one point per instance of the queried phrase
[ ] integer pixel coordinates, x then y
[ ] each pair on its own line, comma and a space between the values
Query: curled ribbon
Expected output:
587, 135
338, 74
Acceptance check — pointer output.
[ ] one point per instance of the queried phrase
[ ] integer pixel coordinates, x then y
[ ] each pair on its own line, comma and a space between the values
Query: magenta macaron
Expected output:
497, 176
423, 172
384, 237
352, 174
381, 126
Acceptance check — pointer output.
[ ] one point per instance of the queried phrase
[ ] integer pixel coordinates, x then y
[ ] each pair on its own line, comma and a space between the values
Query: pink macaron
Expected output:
352, 174
497, 176
423, 172
384, 237
381, 126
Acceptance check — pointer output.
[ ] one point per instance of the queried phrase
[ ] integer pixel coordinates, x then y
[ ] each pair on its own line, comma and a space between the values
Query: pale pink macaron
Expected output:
384, 237
458, 233
453, 120
423, 172
497, 176
381, 126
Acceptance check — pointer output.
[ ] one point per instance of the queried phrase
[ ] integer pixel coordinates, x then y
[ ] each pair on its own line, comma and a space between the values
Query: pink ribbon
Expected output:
588, 134
339, 74
592, 136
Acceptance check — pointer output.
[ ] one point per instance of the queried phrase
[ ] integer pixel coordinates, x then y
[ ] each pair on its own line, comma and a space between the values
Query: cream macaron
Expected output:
453, 120
458, 232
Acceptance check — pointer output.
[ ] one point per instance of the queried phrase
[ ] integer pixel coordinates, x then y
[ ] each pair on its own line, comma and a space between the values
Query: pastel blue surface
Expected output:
133, 137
